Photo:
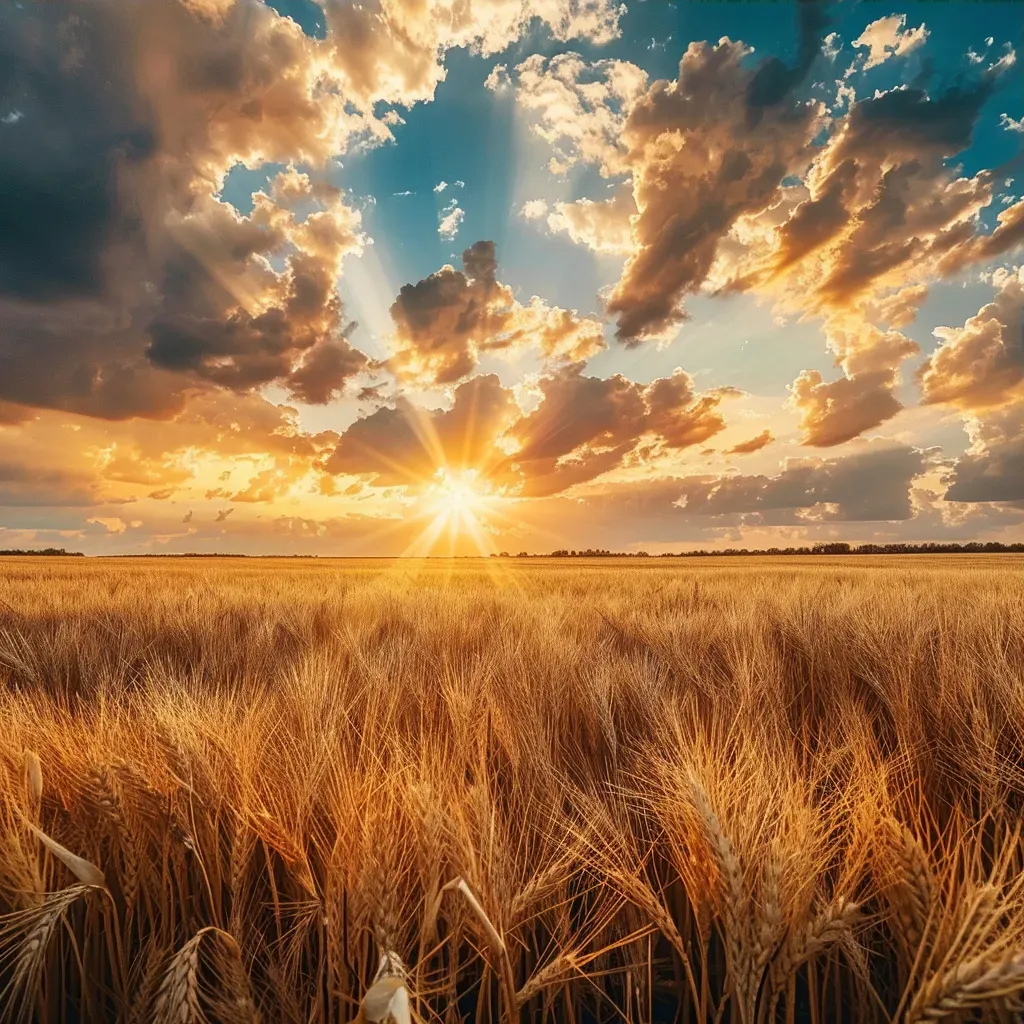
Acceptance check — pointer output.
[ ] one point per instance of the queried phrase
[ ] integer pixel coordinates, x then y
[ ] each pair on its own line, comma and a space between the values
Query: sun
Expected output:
457, 497
457, 504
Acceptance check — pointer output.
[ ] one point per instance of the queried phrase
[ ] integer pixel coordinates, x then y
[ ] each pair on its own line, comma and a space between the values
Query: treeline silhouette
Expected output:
833, 548
42, 551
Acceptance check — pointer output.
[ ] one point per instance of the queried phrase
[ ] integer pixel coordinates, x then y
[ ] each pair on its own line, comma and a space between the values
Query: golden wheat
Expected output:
512, 790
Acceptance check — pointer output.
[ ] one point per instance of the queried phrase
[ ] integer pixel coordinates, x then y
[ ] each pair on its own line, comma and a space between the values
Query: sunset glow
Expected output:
309, 276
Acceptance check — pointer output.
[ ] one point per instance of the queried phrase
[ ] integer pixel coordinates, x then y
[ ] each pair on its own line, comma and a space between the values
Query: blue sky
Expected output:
252, 308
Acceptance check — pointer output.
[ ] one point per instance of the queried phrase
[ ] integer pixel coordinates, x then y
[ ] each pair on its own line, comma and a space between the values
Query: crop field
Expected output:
489, 790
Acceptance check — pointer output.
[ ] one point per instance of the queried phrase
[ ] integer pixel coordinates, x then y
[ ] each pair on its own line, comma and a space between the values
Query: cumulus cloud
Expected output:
223, 514
580, 108
872, 484
702, 151
738, 185
585, 426
444, 323
604, 227
836, 411
112, 524
889, 37
387, 50
981, 365
449, 220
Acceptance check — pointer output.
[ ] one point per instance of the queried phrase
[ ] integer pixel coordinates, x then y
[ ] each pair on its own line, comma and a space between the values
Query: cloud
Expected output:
605, 227
449, 220
581, 428
992, 469
112, 524
580, 108
124, 281
498, 78
840, 410
981, 365
392, 52
754, 444
702, 151
871, 485
444, 323
406, 445
187, 518
738, 185
25, 484
223, 514
835, 412
585, 426
889, 37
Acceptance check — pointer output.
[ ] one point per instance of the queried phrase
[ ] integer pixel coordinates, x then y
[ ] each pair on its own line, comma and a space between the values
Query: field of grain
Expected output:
487, 790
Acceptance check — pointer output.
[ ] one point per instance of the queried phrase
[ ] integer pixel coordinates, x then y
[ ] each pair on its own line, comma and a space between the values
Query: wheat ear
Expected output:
966, 987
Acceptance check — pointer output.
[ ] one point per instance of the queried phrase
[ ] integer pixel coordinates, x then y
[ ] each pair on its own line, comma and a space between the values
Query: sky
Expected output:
466, 276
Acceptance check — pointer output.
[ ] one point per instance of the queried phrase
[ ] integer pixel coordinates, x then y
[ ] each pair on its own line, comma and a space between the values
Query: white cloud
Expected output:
1007, 122
534, 209
440, 186
498, 78
888, 37
450, 220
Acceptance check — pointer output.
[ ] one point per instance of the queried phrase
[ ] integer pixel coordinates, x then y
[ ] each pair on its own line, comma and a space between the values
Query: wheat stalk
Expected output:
967, 986
25, 937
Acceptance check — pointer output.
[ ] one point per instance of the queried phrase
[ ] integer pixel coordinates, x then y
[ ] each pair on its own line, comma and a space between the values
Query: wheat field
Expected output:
530, 790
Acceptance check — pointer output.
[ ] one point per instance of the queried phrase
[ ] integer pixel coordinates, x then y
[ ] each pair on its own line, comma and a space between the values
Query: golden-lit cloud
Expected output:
446, 322
981, 365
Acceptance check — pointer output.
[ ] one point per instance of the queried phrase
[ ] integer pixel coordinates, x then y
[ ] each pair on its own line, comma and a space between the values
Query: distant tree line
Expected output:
42, 551
832, 548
